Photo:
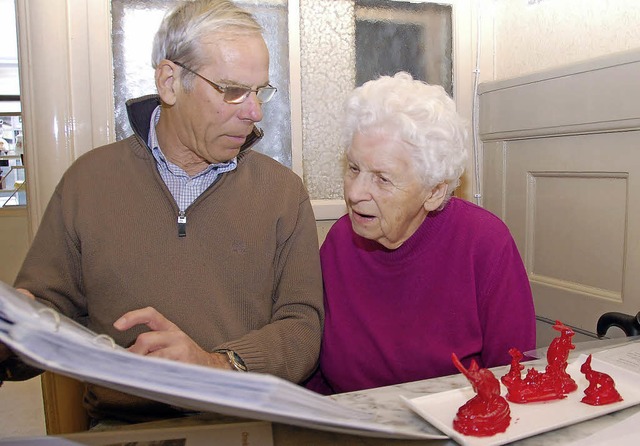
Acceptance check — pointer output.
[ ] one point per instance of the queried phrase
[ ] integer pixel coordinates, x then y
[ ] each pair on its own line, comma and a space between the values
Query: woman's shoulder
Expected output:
476, 224
340, 227
338, 233
466, 211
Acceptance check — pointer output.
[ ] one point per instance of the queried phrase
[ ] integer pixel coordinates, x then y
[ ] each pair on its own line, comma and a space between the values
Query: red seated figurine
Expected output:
601, 390
488, 412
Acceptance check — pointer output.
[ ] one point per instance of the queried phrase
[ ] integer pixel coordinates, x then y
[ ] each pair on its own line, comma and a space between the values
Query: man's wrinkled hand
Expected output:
5, 352
167, 340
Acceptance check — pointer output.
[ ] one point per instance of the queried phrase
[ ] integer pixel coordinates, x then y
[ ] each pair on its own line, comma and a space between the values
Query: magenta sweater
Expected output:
458, 285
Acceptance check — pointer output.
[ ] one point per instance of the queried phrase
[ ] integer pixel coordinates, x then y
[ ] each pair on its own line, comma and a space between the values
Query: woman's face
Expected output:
385, 199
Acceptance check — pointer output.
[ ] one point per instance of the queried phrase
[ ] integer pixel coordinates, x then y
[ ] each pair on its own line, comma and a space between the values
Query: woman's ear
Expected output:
166, 81
436, 197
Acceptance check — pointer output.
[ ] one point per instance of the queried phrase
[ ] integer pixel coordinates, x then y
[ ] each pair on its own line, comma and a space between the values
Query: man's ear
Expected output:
166, 81
436, 197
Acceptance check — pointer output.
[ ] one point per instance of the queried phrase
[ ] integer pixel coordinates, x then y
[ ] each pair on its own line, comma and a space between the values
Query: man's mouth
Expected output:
239, 138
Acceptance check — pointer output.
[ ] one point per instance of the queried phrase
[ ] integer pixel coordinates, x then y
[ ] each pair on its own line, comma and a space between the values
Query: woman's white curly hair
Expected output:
422, 116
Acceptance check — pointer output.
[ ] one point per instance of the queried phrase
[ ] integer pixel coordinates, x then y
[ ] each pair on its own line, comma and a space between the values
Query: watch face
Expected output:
236, 361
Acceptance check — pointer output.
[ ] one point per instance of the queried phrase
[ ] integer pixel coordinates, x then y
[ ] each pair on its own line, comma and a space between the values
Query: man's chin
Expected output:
226, 155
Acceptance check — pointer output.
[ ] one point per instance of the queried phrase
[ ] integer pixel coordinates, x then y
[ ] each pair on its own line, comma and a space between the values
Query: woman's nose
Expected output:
357, 188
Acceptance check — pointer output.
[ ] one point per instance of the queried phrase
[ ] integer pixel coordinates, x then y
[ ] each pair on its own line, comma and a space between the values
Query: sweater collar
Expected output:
139, 111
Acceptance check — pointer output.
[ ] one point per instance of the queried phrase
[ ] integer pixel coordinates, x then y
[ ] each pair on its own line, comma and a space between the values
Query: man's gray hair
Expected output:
184, 28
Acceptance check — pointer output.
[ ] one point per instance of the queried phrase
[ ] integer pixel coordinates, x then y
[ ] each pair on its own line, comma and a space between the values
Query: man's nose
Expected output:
252, 108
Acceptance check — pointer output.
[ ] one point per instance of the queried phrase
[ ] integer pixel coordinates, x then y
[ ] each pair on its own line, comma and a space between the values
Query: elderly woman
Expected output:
412, 274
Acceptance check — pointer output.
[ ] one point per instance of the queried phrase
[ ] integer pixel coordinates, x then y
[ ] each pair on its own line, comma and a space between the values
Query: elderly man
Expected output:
180, 241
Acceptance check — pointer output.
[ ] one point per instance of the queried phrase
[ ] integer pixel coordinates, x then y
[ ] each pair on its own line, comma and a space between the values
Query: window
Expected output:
13, 190
12, 179
320, 50
134, 24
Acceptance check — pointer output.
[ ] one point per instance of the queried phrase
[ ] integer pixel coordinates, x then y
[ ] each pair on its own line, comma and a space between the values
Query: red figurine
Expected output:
488, 412
513, 374
557, 358
601, 390
553, 383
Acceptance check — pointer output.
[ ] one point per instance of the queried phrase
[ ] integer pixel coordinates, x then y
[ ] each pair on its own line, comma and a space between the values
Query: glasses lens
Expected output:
265, 94
236, 95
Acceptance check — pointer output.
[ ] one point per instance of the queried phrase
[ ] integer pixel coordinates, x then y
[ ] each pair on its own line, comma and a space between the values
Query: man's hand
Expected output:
5, 353
26, 293
166, 340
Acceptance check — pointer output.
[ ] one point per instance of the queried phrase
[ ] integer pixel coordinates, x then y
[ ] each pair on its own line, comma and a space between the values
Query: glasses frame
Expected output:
224, 90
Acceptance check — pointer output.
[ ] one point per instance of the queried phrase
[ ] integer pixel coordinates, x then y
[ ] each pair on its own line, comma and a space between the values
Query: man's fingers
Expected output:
148, 316
26, 293
150, 342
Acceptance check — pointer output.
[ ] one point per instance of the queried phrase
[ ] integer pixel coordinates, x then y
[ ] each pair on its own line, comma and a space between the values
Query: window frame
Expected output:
77, 58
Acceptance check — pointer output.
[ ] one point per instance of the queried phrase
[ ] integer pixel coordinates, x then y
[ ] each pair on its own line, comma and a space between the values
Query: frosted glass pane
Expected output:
9, 81
414, 37
134, 23
344, 43
327, 35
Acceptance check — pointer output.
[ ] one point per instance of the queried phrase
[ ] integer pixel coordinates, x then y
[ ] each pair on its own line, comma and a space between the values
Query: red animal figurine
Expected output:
601, 390
488, 412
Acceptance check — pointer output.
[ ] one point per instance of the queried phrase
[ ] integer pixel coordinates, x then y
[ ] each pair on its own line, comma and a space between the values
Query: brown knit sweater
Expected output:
245, 277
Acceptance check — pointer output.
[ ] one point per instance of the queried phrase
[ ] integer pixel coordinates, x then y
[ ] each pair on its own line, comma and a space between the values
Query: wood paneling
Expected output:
63, 410
561, 152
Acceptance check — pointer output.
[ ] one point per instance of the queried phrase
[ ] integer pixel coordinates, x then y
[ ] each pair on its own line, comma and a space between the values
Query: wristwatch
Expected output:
235, 361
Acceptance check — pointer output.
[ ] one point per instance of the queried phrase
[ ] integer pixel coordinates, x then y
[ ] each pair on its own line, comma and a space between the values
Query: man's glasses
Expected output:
236, 94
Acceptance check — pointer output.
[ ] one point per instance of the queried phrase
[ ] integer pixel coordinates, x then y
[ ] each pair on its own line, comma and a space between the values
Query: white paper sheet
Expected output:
50, 341
624, 433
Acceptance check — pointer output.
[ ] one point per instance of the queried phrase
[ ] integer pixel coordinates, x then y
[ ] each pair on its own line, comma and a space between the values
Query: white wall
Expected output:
534, 35
14, 241
21, 411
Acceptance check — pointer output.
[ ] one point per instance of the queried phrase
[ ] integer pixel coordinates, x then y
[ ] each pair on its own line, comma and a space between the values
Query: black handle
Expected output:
627, 323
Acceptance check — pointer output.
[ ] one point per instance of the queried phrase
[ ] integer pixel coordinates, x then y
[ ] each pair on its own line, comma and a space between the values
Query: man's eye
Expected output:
236, 91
